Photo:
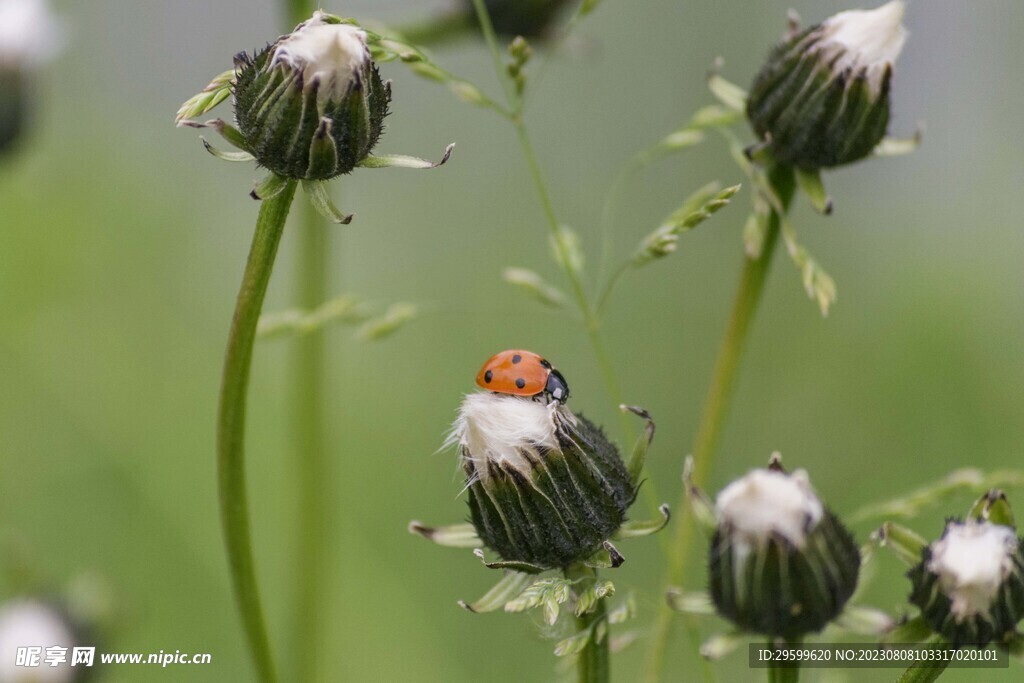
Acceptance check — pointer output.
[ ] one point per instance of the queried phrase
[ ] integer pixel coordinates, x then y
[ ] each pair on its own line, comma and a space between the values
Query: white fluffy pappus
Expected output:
506, 429
766, 503
328, 55
972, 560
29, 33
864, 39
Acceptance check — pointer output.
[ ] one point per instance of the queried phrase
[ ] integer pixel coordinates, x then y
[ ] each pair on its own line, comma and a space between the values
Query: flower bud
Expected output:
29, 36
781, 563
546, 487
969, 584
528, 18
312, 105
822, 99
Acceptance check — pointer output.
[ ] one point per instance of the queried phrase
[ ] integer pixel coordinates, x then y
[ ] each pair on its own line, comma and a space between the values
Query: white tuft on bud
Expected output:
29, 33
501, 428
781, 563
766, 504
329, 55
868, 40
972, 561
30, 623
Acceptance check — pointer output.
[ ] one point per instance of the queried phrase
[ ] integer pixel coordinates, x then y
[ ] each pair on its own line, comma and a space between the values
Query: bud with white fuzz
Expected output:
781, 563
822, 99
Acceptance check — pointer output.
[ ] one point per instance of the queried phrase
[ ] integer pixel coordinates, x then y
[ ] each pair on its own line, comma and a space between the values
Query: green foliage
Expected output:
534, 286
344, 309
547, 593
697, 208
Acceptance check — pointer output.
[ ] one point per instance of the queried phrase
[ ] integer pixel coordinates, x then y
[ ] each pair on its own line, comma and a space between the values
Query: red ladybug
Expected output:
522, 373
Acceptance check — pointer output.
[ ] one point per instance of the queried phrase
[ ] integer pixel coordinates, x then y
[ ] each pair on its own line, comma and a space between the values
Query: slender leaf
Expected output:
534, 285
905, 543
810, 183
695, 603
635, 529
454, 536
508, 588
316, 190
404, 161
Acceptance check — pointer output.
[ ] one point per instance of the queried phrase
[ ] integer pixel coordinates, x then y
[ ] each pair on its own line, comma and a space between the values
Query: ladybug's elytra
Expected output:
522, 373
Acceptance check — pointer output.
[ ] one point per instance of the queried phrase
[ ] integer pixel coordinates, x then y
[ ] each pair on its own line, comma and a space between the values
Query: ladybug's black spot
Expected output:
545, 364
520, 382
516, 358
488, 376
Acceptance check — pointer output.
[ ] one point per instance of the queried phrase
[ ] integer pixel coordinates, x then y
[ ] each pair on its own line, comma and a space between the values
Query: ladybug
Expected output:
522, 373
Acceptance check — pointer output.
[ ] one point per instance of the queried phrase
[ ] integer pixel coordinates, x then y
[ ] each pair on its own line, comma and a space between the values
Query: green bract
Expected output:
822, 99
312, 105
780, 563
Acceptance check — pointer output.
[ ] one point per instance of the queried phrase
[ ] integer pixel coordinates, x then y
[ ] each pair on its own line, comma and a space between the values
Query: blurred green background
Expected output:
123, 244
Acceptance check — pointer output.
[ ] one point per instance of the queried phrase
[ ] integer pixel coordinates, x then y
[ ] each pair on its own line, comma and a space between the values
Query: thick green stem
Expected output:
926, 672
593, 664
716, 406
309, 434
922, 672
234, 507
783, 674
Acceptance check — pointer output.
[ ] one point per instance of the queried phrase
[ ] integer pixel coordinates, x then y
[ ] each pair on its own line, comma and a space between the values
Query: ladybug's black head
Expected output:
556, 387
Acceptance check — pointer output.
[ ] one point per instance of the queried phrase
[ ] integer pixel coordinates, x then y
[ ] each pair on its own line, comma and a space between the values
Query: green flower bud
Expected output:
969, 584
312, 105
822, 99
528, 18
546, 487
781, 563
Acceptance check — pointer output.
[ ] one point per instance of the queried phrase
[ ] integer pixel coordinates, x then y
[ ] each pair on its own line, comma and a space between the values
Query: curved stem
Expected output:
234, 507
716, 405
593, 664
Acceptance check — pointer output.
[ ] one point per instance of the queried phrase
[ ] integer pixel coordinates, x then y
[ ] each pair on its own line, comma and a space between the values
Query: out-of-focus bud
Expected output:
822, 99
529, 18
781, 563
312, 105
969, 584
29, 33
31, 631
546, 487
29, 36
12, 106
